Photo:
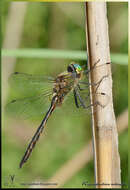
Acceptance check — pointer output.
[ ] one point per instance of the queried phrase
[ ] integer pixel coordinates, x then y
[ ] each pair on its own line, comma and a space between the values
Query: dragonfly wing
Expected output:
27, 84
28, 107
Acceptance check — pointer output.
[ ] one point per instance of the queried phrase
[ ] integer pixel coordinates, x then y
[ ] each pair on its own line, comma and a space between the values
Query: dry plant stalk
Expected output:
105, 136
78, 161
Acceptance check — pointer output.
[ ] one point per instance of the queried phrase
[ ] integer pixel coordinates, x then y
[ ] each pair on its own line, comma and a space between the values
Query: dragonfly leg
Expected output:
89, 70
92, 84
92, 66
79, 87
94, 104
99, 82
75, 98
88, 96
80, 99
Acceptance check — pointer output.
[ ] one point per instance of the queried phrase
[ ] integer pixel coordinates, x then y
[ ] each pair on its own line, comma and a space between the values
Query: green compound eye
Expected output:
74, 68
77, 67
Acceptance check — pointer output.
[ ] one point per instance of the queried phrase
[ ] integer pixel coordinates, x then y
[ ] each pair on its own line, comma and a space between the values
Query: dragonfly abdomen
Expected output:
38, 132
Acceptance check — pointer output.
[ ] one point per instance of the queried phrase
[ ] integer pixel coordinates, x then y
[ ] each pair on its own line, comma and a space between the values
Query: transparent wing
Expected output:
37, 91
30, 107
41, 93
30, 84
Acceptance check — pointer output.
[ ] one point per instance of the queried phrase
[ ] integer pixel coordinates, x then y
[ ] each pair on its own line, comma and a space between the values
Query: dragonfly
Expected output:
72, 81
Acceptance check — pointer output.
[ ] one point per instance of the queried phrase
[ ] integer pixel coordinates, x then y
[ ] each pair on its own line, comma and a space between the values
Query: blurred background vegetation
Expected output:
59, 26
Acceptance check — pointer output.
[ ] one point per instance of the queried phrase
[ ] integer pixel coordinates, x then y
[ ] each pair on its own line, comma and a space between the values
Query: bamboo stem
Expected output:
105, 137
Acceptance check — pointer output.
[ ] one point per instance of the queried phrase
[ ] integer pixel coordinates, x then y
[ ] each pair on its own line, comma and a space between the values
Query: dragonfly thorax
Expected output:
64, 83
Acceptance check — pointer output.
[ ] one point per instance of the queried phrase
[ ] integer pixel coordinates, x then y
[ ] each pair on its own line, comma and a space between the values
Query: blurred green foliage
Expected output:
61, 26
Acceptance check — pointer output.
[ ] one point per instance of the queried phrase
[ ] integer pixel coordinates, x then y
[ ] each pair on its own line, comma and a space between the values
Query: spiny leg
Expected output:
77, 94
75, 98
92, 66
89, 70
91, 84
88, 96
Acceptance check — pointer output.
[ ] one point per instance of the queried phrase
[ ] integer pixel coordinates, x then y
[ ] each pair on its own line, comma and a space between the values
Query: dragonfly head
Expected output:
75, 69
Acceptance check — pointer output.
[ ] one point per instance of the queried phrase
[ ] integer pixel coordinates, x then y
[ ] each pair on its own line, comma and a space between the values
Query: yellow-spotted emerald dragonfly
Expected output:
53, 90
